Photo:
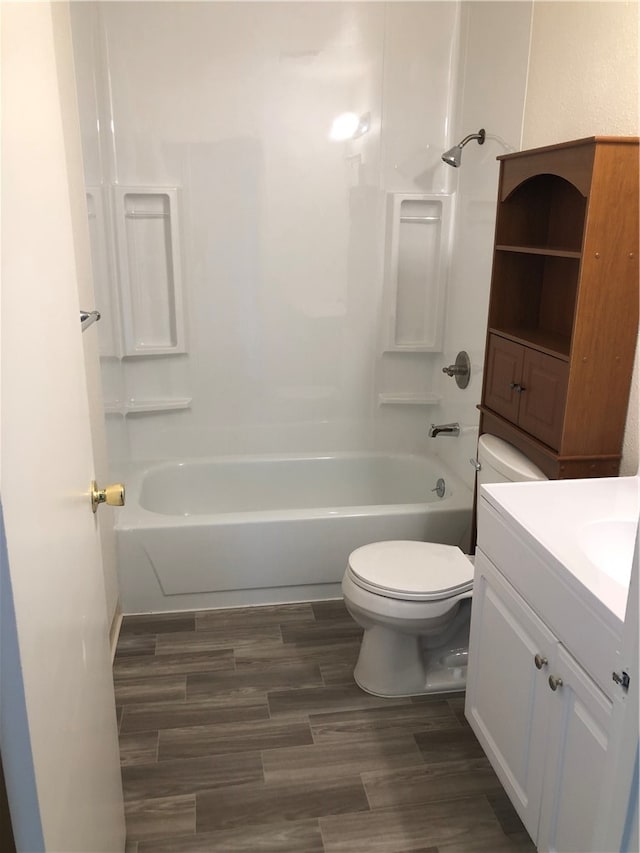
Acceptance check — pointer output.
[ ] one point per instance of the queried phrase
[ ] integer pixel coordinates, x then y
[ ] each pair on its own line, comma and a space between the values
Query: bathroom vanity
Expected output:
551, 577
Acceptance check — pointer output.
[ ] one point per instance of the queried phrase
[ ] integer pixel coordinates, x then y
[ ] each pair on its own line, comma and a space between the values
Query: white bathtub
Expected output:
225, 532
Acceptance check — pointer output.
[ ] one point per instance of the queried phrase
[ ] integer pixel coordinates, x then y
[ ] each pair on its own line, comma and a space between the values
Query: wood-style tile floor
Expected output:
243, 730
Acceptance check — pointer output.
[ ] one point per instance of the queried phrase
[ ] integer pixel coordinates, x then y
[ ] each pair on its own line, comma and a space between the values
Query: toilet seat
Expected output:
411, 571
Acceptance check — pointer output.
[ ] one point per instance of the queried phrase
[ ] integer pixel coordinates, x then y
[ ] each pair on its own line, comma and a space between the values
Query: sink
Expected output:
586, 527
608, 543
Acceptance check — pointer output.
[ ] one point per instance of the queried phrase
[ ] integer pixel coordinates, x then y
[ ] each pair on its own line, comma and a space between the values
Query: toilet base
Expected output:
392, 664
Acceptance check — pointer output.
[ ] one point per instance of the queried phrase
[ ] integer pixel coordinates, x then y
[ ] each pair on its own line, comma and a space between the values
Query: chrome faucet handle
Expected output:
461, 369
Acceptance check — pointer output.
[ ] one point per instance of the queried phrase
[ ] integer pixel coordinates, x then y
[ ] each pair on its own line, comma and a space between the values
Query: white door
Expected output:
506, 701
46, 456
576, 751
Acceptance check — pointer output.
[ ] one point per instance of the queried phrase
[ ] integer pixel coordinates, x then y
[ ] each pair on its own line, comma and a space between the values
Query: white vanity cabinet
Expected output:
547, 746
539, 685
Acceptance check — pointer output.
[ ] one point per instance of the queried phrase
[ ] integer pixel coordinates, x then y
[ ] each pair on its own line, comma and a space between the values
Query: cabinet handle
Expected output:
555, 681
540, 661
517, 387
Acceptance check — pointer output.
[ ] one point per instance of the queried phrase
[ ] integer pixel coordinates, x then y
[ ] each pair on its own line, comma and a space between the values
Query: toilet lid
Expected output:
412, 571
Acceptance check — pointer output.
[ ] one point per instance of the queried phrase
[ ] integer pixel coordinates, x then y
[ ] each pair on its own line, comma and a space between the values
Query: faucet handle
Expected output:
461, 369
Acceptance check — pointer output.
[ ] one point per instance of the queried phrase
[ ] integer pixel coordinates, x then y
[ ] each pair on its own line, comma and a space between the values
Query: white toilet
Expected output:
413, 599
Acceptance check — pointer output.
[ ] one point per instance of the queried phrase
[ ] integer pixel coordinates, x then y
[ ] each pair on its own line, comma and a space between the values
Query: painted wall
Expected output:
584, 80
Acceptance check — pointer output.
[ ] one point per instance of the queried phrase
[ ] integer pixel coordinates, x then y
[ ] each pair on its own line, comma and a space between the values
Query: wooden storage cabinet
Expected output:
547, 746
528, 388
563, 311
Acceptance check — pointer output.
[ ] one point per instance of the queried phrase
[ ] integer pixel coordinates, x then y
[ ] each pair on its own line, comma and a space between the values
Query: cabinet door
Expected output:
542, 400
504, 371
507, 697
579, 719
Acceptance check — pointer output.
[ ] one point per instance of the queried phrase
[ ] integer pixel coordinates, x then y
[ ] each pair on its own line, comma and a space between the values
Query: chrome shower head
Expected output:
453, 157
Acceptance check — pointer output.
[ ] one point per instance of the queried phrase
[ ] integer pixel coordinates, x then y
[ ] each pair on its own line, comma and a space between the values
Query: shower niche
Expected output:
148, 249
415, 278
415, 271
137, 271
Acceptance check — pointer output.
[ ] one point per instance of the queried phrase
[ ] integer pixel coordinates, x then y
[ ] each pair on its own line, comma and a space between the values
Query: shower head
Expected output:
453, 157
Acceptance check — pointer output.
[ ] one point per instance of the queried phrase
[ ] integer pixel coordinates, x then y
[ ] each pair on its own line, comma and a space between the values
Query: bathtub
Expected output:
228, 532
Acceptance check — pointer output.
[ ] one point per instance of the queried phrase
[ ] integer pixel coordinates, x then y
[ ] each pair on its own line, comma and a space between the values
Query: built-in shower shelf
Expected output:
416, 252
134, 407
426, 399
150, 272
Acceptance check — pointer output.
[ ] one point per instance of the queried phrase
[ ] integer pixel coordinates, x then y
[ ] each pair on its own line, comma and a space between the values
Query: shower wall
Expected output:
490, 94
281, 231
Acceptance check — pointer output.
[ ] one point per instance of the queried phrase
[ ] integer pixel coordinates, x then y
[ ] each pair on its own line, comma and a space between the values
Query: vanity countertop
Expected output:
587, 527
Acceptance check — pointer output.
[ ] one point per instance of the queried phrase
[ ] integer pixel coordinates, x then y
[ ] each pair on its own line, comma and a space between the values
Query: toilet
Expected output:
413, 599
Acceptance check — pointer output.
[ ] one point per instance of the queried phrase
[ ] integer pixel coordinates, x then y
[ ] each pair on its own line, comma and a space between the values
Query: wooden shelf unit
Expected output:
563, 309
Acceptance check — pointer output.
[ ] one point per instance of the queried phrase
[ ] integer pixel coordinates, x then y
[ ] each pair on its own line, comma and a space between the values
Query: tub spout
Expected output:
444, 429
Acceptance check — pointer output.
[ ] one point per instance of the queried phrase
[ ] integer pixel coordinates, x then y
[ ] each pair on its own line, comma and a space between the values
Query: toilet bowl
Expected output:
413, 599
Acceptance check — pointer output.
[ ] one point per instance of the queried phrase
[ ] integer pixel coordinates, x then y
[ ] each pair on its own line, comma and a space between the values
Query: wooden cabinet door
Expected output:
542, 400
504, 371
507, 697
579, 721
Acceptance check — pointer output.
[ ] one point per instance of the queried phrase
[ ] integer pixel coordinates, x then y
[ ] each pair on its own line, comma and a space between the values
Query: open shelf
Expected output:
542, 340
539, 250
546, 211
533, 298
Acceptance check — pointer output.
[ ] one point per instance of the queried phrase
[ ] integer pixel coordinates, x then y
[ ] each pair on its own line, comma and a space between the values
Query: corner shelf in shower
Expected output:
409, 399
149, 266
135, 407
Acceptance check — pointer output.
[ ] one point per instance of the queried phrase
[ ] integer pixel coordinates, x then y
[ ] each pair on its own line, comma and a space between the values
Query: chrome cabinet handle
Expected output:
540, 661
517, 387
554, 682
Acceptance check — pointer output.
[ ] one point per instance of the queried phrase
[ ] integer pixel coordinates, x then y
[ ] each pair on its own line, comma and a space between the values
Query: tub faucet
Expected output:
444, 429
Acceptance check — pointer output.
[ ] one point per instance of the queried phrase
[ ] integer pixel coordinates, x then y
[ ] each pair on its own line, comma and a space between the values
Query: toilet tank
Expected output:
500, 462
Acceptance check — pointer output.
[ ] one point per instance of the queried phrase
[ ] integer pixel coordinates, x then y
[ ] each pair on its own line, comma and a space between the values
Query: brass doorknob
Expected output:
112, 495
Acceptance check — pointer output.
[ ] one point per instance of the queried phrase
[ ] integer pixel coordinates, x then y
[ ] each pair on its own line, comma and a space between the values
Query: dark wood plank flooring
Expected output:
243, 730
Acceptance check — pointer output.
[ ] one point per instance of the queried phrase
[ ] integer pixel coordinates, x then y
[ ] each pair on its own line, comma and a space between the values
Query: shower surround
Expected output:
263, 325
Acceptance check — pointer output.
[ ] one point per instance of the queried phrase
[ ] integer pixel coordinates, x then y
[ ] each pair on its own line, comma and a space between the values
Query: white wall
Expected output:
584, 80
282, 229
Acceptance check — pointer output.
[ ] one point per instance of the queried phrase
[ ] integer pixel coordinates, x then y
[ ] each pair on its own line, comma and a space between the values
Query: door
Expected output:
506, 701
542, 397
528, 388
617, 819
504, 372
579, 723
55, 571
